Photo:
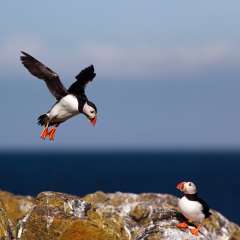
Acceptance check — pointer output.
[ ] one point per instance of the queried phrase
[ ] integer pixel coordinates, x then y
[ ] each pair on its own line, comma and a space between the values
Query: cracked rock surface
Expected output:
101, 216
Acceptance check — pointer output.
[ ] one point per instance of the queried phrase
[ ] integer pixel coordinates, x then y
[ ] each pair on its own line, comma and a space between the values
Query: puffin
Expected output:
69, 102
193, 208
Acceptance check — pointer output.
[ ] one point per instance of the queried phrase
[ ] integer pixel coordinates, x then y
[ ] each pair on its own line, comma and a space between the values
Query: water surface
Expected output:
216, 174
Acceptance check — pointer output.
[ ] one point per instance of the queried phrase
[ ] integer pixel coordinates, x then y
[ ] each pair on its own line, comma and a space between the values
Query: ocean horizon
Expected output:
216, 173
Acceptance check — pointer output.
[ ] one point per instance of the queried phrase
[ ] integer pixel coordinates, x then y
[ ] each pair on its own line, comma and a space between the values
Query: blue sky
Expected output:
167, 72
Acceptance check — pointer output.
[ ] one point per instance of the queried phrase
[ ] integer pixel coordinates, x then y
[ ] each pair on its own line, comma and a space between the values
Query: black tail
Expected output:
43, 119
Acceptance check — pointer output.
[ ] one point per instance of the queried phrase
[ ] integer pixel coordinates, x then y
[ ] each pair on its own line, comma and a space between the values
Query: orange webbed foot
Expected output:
182, 225
44, 133
195, 231
52, 133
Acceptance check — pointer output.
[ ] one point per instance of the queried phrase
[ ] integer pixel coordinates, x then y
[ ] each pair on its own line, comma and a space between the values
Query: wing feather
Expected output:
43, 72
83, 78
205, 206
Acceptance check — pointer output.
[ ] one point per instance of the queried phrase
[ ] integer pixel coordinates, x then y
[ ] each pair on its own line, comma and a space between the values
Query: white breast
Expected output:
66, 108
192, 210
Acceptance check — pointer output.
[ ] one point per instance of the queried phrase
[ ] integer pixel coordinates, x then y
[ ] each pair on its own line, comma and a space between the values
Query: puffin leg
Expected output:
195, 231
44, 132
52, 133
182, 225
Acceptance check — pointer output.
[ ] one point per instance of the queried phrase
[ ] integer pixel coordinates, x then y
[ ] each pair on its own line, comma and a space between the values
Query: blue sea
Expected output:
217, 174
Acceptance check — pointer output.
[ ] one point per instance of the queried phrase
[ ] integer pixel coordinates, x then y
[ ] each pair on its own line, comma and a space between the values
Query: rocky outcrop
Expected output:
100, 216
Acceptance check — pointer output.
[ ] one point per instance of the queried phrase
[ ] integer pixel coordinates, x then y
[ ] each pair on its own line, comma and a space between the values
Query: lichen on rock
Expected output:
101, 216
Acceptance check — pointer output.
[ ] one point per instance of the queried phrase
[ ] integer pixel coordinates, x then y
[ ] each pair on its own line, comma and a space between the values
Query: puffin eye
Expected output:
190, 184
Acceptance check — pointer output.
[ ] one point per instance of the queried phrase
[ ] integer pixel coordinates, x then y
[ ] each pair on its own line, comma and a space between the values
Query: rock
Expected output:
12, 209
16, 206
100, 216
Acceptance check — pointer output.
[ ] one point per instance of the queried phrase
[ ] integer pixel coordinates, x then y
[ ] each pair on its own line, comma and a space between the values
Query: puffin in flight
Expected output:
193, 208
70, 102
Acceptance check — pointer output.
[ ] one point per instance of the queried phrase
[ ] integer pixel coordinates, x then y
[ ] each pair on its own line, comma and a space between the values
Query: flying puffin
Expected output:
193, 208
70, 102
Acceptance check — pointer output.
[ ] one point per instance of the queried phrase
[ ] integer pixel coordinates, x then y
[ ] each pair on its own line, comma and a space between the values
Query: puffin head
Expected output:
187, 187
90, 111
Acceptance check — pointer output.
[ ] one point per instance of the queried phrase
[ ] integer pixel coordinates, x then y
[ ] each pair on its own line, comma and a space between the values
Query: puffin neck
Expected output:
191, 197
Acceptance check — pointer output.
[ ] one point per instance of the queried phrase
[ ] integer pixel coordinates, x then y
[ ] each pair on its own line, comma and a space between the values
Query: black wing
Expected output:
85, 76
205, 209
41, 71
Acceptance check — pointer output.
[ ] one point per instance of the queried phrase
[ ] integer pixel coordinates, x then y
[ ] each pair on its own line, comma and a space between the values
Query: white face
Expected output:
189, 188
89, 111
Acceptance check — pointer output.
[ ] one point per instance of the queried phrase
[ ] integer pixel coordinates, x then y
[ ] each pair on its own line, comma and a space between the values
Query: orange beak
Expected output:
180, 186
93, 121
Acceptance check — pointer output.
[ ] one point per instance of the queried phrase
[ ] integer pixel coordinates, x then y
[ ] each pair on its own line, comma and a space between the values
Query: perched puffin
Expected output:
70, 102
193, 208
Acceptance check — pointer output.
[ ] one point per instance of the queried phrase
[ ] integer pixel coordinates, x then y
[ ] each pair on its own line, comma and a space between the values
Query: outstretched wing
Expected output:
41, 71
85, 76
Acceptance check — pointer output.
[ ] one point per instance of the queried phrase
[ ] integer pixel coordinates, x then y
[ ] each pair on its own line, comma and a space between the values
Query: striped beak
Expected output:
93, 121
180, 186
